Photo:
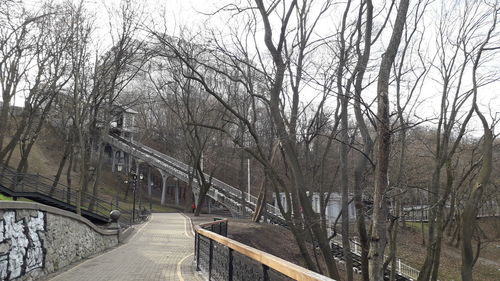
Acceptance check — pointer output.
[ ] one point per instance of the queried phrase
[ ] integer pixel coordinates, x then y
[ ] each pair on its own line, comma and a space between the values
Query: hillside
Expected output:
45, 157
265, 237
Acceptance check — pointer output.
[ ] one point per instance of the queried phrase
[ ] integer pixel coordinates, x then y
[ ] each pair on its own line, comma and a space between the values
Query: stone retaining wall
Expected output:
36, 240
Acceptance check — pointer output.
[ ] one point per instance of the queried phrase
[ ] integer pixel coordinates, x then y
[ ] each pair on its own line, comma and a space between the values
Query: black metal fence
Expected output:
59, 195
222, 259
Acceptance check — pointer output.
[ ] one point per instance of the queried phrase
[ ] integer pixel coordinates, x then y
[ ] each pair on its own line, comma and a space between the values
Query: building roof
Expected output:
124, 109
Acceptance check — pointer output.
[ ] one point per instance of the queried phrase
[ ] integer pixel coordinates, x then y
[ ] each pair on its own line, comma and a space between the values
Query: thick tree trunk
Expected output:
68, 175
393, 241
299, 235
62, 163
201, 199
4, 120
189, 197
344, 184
362, 162
24, 126
470, 210
360, 219
261, 201
95, 186
378, 239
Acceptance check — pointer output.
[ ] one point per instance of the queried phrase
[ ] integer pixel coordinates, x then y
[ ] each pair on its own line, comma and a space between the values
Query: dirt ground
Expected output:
412, 251
279, 241
45, 157
273, 239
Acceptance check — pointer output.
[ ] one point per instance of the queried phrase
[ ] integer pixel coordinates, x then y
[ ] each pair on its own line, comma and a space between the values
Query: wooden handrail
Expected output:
280, 265
203, 225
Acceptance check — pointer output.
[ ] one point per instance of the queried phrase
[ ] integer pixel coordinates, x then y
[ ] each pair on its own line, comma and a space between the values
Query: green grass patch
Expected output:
5, 198
418, 226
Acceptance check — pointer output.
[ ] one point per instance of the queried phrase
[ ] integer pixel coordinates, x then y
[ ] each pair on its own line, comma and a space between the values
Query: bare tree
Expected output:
377, 238
471, 205
194, 111
459, 31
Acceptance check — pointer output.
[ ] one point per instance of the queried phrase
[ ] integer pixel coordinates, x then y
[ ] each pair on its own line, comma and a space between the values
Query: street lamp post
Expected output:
248, 179
134, 181
136, 185
141, 178
150, 197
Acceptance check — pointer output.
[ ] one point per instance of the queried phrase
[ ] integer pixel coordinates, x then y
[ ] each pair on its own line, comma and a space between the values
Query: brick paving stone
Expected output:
153, 253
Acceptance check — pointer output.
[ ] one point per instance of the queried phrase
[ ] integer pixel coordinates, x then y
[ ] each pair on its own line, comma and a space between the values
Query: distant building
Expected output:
122, 125
14, 109
333, 207
123, 121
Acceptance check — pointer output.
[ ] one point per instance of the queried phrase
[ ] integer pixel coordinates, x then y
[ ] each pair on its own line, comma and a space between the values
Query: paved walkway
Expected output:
162, 249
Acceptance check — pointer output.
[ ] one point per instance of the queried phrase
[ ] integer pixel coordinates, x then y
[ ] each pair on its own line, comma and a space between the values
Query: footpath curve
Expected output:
161, 249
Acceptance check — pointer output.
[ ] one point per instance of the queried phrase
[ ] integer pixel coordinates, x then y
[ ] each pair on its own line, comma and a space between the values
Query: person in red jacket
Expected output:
193, 207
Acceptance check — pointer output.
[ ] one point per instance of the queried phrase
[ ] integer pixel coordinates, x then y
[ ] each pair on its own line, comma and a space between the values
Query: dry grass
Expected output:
279, 241
45, 157
412, 251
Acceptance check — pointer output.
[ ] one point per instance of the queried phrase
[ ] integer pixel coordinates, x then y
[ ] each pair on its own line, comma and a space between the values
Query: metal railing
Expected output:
40, 188
404, 270
221, 191
421, 213
221, 258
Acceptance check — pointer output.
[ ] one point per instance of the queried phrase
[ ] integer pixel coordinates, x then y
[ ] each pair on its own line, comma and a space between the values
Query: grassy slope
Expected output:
412, 251
5, 198
280, 242
45, 158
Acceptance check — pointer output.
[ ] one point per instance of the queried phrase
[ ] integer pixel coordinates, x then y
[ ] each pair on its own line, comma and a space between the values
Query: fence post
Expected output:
210, 257
230, 264
197, 241
15, 183
68, 195
399, 265
37, 182
265, 274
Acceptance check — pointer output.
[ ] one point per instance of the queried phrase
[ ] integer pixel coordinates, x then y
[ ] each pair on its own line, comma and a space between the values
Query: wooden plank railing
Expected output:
221, 258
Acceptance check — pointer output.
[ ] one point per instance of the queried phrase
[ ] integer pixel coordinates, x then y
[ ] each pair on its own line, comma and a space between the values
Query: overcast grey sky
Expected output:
176, 14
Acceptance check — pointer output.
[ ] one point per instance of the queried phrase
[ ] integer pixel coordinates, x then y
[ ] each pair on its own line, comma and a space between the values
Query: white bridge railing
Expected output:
401, 268
421, 213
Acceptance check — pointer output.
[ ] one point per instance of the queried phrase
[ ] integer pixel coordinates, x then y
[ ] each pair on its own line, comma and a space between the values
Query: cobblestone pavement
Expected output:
160, 250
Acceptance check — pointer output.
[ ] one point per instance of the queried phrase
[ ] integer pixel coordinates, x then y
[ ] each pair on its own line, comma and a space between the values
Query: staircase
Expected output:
221, 192
43, 190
